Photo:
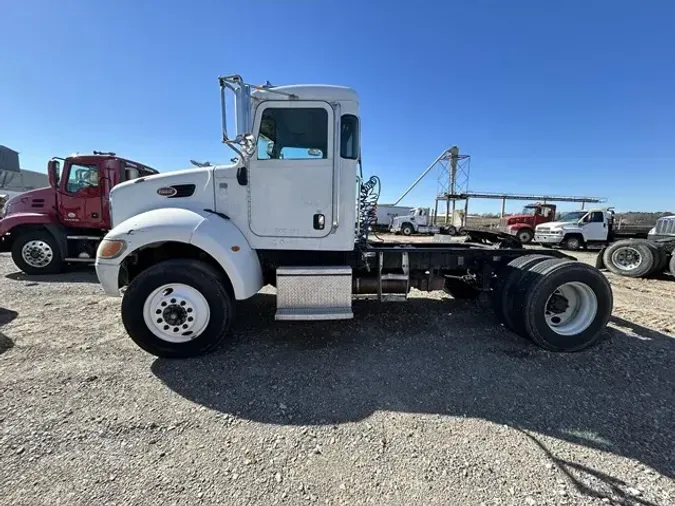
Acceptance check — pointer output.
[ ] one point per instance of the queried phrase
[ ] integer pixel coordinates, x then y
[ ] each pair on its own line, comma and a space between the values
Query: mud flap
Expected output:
599, 260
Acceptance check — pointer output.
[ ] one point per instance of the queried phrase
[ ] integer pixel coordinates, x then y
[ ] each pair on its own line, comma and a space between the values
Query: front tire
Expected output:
525, 236
407, 229
177, 308
37, 252
572, 243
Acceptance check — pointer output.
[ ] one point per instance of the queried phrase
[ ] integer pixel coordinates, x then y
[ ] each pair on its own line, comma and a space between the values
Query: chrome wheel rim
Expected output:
626, 258
37, 254
176, 313
571, 308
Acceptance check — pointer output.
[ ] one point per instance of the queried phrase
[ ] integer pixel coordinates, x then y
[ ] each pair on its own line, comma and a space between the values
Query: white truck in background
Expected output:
580, 229
385, 214
419, 221
293, 211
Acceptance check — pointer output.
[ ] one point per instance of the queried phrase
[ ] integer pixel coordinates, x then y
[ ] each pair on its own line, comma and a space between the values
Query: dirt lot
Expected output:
429, 402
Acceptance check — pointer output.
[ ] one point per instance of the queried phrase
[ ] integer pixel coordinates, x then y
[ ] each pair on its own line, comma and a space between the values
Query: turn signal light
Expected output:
110, 248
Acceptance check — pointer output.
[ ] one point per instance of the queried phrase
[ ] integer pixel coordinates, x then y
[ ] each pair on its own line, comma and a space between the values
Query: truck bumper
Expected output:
548, 238
108, 275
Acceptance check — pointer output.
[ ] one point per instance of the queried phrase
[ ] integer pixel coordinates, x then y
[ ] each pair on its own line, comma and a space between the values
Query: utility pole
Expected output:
452, 184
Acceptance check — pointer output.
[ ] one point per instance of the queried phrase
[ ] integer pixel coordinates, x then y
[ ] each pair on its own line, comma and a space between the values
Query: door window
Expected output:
82, 176
597, 217
293, 134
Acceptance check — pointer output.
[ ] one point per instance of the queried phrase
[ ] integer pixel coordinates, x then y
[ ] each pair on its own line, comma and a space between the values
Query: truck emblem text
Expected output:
167, 191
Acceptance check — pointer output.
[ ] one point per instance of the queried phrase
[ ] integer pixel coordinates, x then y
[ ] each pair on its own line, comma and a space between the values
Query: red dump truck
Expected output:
524, 224
63, 223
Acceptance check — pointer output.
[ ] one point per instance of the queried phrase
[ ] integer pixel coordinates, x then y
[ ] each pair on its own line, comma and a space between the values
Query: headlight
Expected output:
111, 248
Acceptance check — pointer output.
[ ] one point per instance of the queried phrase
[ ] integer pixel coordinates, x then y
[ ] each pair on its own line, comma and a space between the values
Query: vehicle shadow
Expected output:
72, 274
443, 357
6, 316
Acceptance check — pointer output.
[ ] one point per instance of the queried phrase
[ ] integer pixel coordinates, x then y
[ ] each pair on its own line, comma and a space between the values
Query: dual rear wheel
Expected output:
560, 305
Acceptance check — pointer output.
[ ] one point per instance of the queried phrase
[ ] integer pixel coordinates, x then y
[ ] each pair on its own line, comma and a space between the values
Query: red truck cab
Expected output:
523, 225
49, 227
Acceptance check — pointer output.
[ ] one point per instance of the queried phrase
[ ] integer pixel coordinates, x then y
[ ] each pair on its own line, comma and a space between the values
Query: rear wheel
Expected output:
177, 308
567, 305
631, 258
504, 296
37, 252
525, 235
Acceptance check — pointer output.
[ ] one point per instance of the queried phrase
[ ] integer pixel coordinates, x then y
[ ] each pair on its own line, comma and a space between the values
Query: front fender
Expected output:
13, 220
211, 233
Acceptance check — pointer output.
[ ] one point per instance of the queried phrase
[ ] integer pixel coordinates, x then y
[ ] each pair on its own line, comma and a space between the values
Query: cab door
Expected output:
595, 226
291, 171
80, 196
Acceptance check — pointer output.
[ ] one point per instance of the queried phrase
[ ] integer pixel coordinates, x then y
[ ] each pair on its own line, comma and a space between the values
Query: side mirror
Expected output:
53, 172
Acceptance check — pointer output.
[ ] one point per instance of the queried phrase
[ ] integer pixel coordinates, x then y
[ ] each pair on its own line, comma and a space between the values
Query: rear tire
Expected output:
567, 305
525, 235
631, 258
192, 322
37, 252
504, 296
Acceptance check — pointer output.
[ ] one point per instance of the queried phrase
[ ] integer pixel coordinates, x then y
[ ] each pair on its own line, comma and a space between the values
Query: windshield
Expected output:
573, 216
529, 211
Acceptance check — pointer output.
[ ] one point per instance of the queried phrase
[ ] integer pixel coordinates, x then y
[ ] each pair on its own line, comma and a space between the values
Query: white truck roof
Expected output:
307, 92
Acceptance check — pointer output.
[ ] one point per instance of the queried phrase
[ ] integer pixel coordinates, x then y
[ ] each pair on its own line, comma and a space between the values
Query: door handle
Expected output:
242, 175
319, 222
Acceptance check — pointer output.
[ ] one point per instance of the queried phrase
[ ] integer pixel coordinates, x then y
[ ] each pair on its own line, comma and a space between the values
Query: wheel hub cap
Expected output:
37, 253
176, 313
571, 308
627, 258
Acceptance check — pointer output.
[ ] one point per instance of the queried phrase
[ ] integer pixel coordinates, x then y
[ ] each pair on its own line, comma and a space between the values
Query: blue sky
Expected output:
567, 97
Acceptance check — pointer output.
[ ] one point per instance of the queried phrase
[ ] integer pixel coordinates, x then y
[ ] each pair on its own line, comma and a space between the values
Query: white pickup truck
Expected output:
579, 229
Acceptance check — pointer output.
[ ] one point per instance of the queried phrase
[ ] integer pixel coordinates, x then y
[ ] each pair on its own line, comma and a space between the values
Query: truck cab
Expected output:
417, 217
48, 227
524, 224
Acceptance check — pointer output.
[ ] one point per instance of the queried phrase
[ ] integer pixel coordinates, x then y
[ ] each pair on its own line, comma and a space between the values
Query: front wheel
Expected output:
37, 252
407, 229
525, 236
177, 308
572, 243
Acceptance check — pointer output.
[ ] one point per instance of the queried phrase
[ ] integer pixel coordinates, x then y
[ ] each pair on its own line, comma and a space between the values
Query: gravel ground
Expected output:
428, 402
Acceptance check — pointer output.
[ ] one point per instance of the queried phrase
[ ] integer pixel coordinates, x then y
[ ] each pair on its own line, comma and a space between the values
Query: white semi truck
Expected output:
293, 211
419, 221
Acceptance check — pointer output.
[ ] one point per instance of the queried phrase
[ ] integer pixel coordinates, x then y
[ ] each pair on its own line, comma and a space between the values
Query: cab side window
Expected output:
82, 176
293, 134
597, 217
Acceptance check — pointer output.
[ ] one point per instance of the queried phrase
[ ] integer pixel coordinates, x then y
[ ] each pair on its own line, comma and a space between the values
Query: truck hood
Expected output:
557, 225
34, 201
187, 189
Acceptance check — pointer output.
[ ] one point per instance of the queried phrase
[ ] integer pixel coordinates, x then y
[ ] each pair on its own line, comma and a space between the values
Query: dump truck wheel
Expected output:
37, 252
504, 294
177, 308
631, 258
458, 289
567, 305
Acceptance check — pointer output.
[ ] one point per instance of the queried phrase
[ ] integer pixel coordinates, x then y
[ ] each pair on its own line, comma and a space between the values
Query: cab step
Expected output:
314, 293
